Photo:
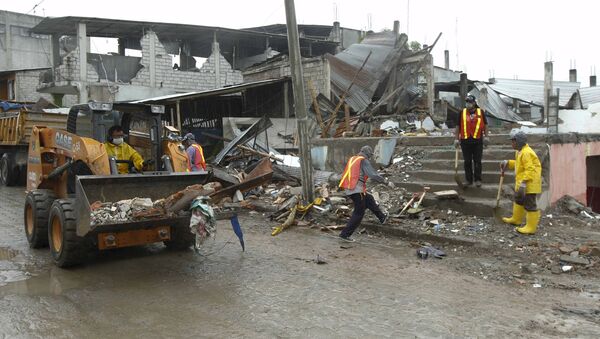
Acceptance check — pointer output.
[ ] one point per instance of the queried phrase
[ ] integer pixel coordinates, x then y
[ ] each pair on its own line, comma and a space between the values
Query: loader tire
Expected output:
37, 210
66, 247
181, 238
9, 173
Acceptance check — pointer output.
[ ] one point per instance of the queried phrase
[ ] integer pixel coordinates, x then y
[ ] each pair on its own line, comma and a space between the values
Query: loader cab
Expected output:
141, 123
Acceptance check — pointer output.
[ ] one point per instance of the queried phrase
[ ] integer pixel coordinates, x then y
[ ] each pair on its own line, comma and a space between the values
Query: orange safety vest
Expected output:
198, 162
471, 128
352, 173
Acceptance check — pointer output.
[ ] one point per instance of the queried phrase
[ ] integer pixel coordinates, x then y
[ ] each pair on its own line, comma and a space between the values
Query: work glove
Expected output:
503, 165
486, 143
520, 194
456, 143
148, 162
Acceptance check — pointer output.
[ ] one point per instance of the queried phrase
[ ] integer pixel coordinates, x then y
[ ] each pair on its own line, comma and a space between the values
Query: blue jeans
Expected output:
362, 201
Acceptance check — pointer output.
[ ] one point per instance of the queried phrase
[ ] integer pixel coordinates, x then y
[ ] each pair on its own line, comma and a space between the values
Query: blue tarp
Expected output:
8, 106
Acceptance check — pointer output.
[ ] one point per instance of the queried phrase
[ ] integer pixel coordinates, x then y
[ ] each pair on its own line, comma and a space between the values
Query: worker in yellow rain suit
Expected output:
119, 149
528, 184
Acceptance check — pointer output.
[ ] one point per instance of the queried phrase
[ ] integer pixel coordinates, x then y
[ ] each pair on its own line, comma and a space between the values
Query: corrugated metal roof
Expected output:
532, 91
588, 96
210, 92
494, 105
346, 64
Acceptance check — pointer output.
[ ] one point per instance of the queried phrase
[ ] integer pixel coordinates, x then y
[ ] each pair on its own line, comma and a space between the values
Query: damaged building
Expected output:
144, 65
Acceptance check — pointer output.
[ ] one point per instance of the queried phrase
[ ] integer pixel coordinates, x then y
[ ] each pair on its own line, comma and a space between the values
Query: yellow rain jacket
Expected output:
124, 152
527, 168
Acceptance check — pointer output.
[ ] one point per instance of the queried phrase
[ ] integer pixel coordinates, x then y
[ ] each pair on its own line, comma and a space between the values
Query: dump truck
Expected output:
15, 130
69, 171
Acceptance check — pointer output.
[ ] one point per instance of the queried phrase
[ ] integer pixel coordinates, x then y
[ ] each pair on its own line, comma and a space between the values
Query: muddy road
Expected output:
376, 287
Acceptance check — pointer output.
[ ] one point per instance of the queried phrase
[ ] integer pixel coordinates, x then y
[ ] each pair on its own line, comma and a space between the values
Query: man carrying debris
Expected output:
354, 181
470, 130
119, 149
528, 183
195, 153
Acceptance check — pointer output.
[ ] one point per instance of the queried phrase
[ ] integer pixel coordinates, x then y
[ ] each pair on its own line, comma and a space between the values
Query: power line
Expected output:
34, 7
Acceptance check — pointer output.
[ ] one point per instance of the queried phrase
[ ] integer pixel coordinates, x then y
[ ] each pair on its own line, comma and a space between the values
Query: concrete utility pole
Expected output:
547, 87
299, 102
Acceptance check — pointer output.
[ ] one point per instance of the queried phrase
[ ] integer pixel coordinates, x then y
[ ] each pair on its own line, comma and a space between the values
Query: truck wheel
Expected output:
66, 247
37, 210
8, 171
181, 238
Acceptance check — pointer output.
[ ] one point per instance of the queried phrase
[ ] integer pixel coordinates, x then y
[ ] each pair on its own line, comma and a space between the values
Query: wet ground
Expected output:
376, 287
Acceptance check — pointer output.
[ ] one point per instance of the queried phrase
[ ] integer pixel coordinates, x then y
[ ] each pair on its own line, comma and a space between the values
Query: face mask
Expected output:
470, 105
117, 141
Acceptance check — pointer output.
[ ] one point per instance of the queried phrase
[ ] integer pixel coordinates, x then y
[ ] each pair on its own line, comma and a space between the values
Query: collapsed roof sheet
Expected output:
532, 91
494, 105
588, 96
346, 64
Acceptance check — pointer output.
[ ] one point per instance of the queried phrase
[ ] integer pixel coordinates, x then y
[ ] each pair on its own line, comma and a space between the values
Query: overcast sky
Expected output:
507, 38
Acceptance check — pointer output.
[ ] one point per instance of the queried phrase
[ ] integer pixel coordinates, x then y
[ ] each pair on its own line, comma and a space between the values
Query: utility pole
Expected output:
299, 102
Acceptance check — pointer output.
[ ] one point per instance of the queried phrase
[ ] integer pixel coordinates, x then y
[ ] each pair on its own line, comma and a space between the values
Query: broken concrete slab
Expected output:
574, 260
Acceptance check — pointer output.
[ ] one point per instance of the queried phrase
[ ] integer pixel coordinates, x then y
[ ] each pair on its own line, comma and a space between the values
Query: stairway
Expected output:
437, 173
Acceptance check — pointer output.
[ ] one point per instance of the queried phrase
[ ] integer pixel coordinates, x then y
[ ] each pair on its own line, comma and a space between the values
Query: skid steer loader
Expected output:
67, 172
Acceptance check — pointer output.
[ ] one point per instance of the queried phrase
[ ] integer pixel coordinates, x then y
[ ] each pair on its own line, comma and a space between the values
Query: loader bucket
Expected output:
113, 188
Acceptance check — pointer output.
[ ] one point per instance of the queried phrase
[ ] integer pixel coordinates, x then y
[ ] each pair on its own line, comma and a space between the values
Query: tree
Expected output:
415, 46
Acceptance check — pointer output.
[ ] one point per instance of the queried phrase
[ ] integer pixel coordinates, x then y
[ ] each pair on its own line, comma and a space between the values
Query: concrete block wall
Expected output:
167, 77
26, 83
69, 69
314, 69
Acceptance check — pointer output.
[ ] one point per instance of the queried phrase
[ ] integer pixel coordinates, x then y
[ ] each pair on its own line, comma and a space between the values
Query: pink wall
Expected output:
568, 170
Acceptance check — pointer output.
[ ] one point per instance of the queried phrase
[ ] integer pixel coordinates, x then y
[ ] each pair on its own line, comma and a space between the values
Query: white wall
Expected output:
580, 121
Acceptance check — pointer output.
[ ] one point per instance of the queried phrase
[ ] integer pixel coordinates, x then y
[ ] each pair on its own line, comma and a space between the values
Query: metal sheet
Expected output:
346, 64
588, 96
260, 175
256, 128
494, 105
532, 91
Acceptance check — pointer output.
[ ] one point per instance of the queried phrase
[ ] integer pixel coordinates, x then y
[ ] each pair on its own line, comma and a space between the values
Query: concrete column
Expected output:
592, 81
337, 36
572, 75
55, 47
82, 44
397, 30
463, 90
430, 83
483, 98
152, 53
121, 46
216, 52
553, 107
547, 86
8, 41
516, 106
446, 59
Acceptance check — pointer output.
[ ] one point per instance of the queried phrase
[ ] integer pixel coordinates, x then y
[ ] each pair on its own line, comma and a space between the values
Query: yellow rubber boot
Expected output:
517, 216
533, 218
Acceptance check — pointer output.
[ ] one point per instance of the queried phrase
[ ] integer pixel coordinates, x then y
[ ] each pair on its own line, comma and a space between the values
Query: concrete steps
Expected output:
448, 164
486, 191
488, 177
498, 154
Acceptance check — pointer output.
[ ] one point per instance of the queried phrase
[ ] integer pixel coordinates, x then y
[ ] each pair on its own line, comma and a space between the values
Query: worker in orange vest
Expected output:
195, 153
354, 182
471, 129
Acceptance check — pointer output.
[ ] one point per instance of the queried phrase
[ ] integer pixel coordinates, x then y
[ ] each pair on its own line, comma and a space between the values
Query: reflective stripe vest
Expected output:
198, 160
471, 128
352, 172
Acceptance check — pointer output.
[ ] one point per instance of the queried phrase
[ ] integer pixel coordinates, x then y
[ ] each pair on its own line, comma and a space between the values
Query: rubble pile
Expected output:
122, 211
405, 161
136, 209
567, 205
